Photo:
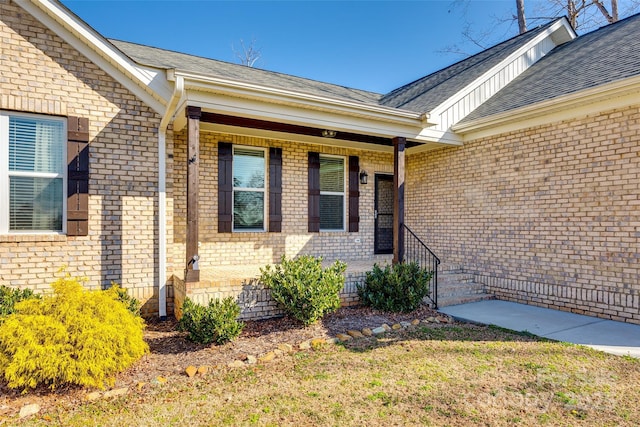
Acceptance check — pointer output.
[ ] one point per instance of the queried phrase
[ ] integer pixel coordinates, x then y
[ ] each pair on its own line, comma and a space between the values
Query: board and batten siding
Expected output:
451, 114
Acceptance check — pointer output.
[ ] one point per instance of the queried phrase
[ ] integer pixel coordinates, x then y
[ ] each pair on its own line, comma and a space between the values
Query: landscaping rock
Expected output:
386, 327
236, 364
405, 324
379, 330
367, 332
94, 395
140, 385
415, 322
28, 410
251, 360
203, 370
333, 340
287, 348
160, 380
344, 337
354, 333
431, 319
268, 357
116, 392
243, 357
191, 371
304, 345
396, 326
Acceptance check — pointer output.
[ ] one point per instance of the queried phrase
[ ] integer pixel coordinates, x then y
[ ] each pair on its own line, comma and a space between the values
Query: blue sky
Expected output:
371, 45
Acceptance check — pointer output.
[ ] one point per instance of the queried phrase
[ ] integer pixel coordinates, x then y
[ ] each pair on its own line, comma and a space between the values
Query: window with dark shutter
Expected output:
275, 190
314, 192
225, 187
77, 176
354, 193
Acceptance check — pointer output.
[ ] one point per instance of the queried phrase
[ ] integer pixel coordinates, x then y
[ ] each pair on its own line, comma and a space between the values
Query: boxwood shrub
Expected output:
397, 288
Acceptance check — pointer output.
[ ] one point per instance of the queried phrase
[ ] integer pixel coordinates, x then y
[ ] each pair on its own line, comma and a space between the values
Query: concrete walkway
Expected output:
606, 335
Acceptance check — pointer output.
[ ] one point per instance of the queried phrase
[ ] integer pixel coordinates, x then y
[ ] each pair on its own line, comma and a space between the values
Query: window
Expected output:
32, 173
332, 193
248, 189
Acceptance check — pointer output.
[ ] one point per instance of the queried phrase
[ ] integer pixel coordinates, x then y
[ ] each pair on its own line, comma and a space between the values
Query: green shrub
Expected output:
398, 287
10, 296
75, 336
303, 288
132, 304
216, 322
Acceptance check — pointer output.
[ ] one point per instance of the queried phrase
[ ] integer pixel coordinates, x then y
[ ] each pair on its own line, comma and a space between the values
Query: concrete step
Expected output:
454, 278
449, 268
447, 301
456, 287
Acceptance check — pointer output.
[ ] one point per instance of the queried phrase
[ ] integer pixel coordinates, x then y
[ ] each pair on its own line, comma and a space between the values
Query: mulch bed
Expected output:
170, 351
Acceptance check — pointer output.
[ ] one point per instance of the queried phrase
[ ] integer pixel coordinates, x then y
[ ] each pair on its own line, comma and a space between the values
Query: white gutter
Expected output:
178, 92
243, 89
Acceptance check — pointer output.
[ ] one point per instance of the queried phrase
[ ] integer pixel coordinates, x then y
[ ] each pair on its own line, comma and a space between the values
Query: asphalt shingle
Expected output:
166, 59
603, 56
430, 91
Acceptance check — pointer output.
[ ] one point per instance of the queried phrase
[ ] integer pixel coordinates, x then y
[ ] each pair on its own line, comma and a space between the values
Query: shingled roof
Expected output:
166, 59
603, 56
425, 94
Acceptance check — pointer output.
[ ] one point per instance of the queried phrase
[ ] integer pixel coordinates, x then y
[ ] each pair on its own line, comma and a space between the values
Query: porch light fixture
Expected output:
329, 133
363, 177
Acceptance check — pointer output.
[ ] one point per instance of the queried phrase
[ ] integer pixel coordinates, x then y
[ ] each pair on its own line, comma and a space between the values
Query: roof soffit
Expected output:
202, 86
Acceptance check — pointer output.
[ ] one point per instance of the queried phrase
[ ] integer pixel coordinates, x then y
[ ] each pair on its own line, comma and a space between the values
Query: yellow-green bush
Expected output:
75, 336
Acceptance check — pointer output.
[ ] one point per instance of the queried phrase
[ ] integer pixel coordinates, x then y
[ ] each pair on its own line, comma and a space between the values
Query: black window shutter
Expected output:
314, 192
225, 187
354, 193
275, 190
77, 176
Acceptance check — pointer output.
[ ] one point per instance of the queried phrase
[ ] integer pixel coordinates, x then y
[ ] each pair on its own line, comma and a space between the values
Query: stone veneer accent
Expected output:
42, 74
547, 215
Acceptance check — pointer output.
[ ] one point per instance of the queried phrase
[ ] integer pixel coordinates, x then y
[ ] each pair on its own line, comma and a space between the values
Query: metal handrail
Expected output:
415, 250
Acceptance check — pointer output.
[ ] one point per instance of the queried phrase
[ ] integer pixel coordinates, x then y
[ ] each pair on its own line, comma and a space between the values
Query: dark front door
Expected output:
383, 214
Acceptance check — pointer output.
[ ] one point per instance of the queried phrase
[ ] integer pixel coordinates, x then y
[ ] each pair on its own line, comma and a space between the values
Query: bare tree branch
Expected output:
249, 55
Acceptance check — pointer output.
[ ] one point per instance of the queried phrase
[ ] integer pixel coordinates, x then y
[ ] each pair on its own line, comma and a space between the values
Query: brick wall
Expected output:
223, 249
253, 298
548, 215
40, 73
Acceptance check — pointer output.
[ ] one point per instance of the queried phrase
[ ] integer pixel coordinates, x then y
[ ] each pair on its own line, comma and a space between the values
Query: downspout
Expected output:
178, 91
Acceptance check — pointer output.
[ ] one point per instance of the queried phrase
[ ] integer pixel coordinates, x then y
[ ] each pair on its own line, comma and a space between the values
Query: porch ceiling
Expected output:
315, 132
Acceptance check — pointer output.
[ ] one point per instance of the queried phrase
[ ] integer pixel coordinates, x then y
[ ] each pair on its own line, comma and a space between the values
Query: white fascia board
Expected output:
148, 84
619, 94
440, 137
242, 89
293, 114
567, 34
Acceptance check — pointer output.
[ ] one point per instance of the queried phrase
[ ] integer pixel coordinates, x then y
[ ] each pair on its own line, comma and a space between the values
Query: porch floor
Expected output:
252, 271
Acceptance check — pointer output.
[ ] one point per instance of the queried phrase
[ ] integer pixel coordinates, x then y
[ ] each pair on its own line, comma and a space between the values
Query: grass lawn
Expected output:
456, 375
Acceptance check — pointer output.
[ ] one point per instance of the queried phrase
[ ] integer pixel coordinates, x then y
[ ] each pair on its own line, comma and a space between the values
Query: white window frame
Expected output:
257, 190
5, 173
336, 193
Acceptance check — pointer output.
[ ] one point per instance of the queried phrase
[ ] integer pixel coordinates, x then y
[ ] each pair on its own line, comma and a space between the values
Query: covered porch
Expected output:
222, 260
242, 282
